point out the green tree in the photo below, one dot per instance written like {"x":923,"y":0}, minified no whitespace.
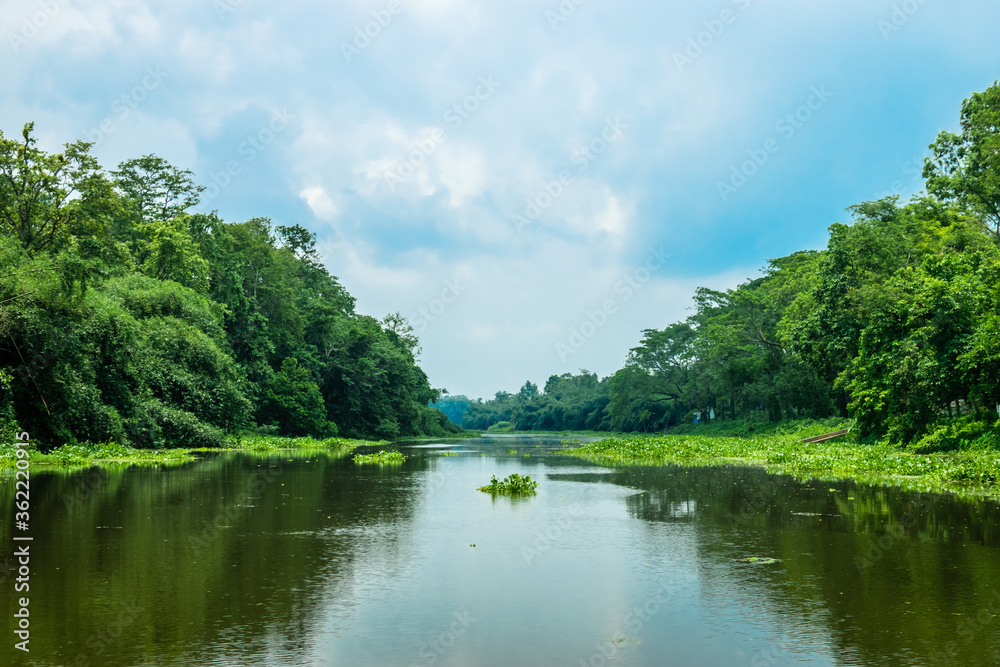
{"x":293,"y":401}
{"x":156,"y":189}
{"x":965,"y":167}
{"x":42,"y":195}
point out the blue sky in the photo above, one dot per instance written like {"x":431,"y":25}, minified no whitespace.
{"x":534,"y":182}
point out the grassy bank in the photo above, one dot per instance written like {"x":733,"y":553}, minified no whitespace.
{"x":77,"y":456}
{"x":966,"y":472}
{"x":795,"y":428}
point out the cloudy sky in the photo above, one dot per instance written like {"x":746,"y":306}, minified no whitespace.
{"x":531,"y":182}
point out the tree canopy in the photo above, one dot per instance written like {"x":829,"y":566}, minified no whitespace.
{"x":896,"y":323}
{"x":124,"y":316}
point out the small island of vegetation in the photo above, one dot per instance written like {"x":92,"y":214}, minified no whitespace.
{"x":512,"y":485}
{"x":381,"y":458}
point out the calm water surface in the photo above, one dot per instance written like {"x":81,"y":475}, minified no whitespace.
{"x":311,"y":560}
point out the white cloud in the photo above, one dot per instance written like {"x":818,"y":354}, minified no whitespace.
{"x":320,"y":203}
{"x":452,"y":216}
{"x":462,"y":169}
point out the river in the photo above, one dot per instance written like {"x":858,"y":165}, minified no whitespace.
{"x":310,"y":559}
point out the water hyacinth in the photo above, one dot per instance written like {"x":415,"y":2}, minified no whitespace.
{"x":967,"y":471}
{"x":512,"y":485}
{"x":277,"y":443}
{"x":381,"y":458}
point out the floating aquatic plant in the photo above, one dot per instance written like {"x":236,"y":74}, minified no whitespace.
{"x":513,"y":485}
{"x":877,"y":464}
{"x":381,"y":458}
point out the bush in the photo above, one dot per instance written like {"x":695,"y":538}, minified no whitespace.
{"x":157,"y":426}
{"x":960,"y":434}
{"x":500,"y":427}
{"x":295,"y":404}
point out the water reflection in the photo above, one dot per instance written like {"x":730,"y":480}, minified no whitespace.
{"x":240,"y":559}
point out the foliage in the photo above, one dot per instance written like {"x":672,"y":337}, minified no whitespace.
{"x":392,"y":457}
{"x":111,"y":453}
{"x":454,"y":407}
{"x":125,"y":317}
{"x":965,"y":168}
{"x":568,"y":403}
{"x":512,"y":485}
{"x":260,"y":443}
{"x":895,"y":324}
{"x":294,"y":402}
{"x":879,"y":463}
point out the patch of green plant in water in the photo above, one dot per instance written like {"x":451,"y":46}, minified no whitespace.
{"x":513,"y":485}
{"x":90,"y":454}
{"x":272,"y":443}
{"x":512,"y":452}
{"x":85,"y":455}
{"x":449,"y":453}
{"x":877,"y":464}
{"x":757,"y":560}
{"x":381,"y":458}
{"x":625,"y":640}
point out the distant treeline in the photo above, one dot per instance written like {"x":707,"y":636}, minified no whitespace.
{"x":125,"y":317}
{"x":896,"y":324}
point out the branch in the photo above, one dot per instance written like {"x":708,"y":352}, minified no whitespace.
{"x":31,"y":376}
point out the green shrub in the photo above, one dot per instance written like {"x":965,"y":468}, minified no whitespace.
{"x":156,"y":426}
{"x":960,"y":434}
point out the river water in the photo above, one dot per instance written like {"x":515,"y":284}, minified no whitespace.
{"x":290,"y":559}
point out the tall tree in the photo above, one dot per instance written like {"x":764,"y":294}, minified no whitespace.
{"x":965,"y":167}
{"x":158,"y":190}
{"x":37,"y":190}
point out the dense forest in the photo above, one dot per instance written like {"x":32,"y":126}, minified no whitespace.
{"x":895,"y":324}
{"x":126,"y":317}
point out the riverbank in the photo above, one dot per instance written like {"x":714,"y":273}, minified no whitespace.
{"x":78,"y":456}
{"x":969,"y":472}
